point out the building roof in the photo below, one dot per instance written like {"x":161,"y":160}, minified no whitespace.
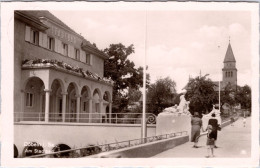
{"x":229,"y":57}
{"x":37,"y":15}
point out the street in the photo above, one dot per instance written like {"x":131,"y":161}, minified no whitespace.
{"x":233,"y":141}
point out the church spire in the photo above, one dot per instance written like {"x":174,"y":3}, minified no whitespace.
{"x":229,"y":57}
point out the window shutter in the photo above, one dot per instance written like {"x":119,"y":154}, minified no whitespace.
{"x":71,"y":51}
{"x":91,"y":59}
{"x":82,"y":56}
{"x":44,"y":40}
{"x":27,"y":33}
{"x":60,"y":47}
{"x":40,"y":39}
{"x":56,"y":45}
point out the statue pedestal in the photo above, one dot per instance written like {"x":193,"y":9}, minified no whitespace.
{"x":167,"y":123}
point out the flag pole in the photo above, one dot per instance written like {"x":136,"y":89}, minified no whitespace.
{"x":143,"y":129}
{"x":219,"y":106}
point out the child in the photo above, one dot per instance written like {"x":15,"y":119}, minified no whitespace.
{"x":210,"y":142}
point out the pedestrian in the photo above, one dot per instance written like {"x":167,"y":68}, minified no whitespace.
{"x":244,"y":121}
{"x":196,"y":125}
{"x":210,"y":142}
{"x":215,"y":127}
{"x":232,"y":120}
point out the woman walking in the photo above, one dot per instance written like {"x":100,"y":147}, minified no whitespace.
{"x":196,"y":124}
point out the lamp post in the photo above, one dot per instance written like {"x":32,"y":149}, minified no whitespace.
{"x":143,"y":123}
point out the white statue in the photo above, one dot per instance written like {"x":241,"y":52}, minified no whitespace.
{"x":182,"y":109}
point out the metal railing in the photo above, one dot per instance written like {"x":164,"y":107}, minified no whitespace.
{"x":115,"y":118}
{"x":96,"y":149}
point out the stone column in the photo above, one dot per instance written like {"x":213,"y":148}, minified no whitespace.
{"x":110,"y":111}
{"x":100,"y":109}
{"x":19,"y":115}
{"x":47,"y":104}
{"x":78,"y":107}
{"x":64,"y":98}
{"x":90,"y":110}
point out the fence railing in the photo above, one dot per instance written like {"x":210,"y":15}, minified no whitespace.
{"x":116,"y":118}
{"x":91,"y":150}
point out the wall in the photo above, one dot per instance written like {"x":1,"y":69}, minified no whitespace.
{"x":169,"y":123}
{"x":145,"y":150}
{"x":75,"y":135}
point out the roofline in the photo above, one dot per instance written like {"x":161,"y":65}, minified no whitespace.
{"x":88,"y":47}
{"x":95,"y":51}
{"x":59,"y":25}
{"x":33,"y":21}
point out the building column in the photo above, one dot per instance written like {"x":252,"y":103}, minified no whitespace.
{"x":78,"y":107}
{"x":47,"y":104}
{"x":64,"y":98}
{"x":110,"y":111}
{"x":90,"y":110}
{"x":19,"y":116}
{"x":100,"y":109}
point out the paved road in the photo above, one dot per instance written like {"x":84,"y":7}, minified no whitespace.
{"x":233,"y":141}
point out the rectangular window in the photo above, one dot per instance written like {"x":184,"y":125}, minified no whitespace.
{"x":60,"y":107}
{"x":77,"y":56}
{"x":97,"y":107}
{"x":50,"y":43}
{"x":85,"y":106}
{"x":29,"y":99}
{"x":87,"y":58}
{"x":65,"y":49}
{"x":34,"y":37}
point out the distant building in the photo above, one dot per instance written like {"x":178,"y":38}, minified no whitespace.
{"x":229,"y":71}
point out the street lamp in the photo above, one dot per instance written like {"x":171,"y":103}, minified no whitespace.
{"x":143,"y":125}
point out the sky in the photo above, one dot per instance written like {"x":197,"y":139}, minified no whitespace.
{"x":176,"y":44}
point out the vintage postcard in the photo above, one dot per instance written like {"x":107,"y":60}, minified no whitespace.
{"x":130,"y":84}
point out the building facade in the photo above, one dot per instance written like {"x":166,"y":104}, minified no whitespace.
{"x":58,"y":74}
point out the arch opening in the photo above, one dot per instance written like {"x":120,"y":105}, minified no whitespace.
{"x":61,"y":147}
{"x":71,"y":103}
{"x":34,"y":100}
{"x":16,"y":152}
{"x":55,"y":114}
{"x":85,"y":103}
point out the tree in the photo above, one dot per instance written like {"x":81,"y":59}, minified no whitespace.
{"x":160,"y":95}
{"x":227,"y":95}
{"x":134,"y":95}
{"x":123,"y":72}
{"x":243,"y":96}
{"x":201,"y":94}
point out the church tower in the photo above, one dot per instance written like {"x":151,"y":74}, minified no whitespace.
{"x":229,"y":72}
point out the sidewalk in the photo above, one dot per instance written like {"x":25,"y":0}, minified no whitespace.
{"x":233,"y":142}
